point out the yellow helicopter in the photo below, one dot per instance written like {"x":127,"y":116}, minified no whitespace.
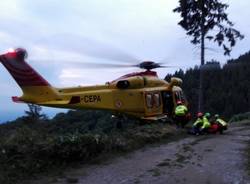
{"x":142,"y":94}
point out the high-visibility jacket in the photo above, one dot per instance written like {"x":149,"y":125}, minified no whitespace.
{"x":206,"y":123}
{"x":181,"y":110}
{"x":197,"y":122}
{"x":220,"y":121}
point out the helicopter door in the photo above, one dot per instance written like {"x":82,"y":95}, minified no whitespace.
{"x":168,"y":103}
{"x":153,"y":105}
{"x":179,"y":96}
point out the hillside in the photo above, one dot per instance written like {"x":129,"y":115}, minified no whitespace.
{"x":31,"y":146}
{"x":36,"y":144}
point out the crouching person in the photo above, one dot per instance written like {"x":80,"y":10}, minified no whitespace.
{"x":206,"y":124}
{"x":221,"y":123}
{"x":197,"y":125}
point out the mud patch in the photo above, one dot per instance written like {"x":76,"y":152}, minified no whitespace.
{"x":198,"y":140}
{"x":155,"y":172}
{"x":208,"y":150}
{"x":164,"y":164}
{"x":180,"y":158}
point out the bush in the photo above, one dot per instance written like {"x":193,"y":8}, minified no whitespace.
{"x":240,"y":117}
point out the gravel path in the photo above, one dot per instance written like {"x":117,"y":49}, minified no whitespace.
{"x":196,"y":159}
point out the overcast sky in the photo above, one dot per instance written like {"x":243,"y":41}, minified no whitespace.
{"x":59,"y":32}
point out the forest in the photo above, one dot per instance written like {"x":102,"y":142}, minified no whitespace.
{"x":226,"y":88}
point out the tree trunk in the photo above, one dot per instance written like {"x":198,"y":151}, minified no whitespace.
{"x":201,"y":101}
{"x":201,"y":98}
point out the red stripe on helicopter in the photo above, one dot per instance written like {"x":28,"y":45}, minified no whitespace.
{"x":17,"y":73}
{"x":146,"y":73}
{"x":34,"y":77}
{"x":17,"y":70}
{"x":24,"y":75}
{"x":21,"y":66}
{"x":31,"y":81}
{"x":34,"y":81}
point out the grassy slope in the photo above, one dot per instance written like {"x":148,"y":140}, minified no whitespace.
{"x":28,"y":148}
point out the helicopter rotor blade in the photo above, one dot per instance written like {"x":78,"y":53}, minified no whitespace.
{"x":102,"y":65}
{"x":167,"y":67}
{"x":88,"y":47}
{"x":93,"y":65}
{"x":84,"y":64}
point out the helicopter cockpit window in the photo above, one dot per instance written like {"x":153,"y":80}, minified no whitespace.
{"x":183,"y":96}
{"x":149,"y":100}
{"x":179,"y":96}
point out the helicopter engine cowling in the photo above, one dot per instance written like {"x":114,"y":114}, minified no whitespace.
{"x":131,"y":83}
{"x":175,"y":82}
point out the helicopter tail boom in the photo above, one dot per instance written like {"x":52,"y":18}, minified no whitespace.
{"x":35,"y":88}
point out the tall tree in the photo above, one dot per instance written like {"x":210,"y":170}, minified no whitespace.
{"x":34,"y":113}
{"x":199,"y":18}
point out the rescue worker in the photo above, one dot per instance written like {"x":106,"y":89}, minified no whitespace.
{"x":206,"y":124}
{"x":181,"y":112}
{"x":221,"y":123}
{"x":197,"y":124}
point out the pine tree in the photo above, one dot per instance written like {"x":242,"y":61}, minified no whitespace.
{"x":199,"y":18}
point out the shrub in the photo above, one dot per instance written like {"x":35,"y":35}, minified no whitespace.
{"x":240,"y":117}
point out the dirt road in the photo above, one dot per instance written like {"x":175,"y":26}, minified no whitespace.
{"x":208,"y":159}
